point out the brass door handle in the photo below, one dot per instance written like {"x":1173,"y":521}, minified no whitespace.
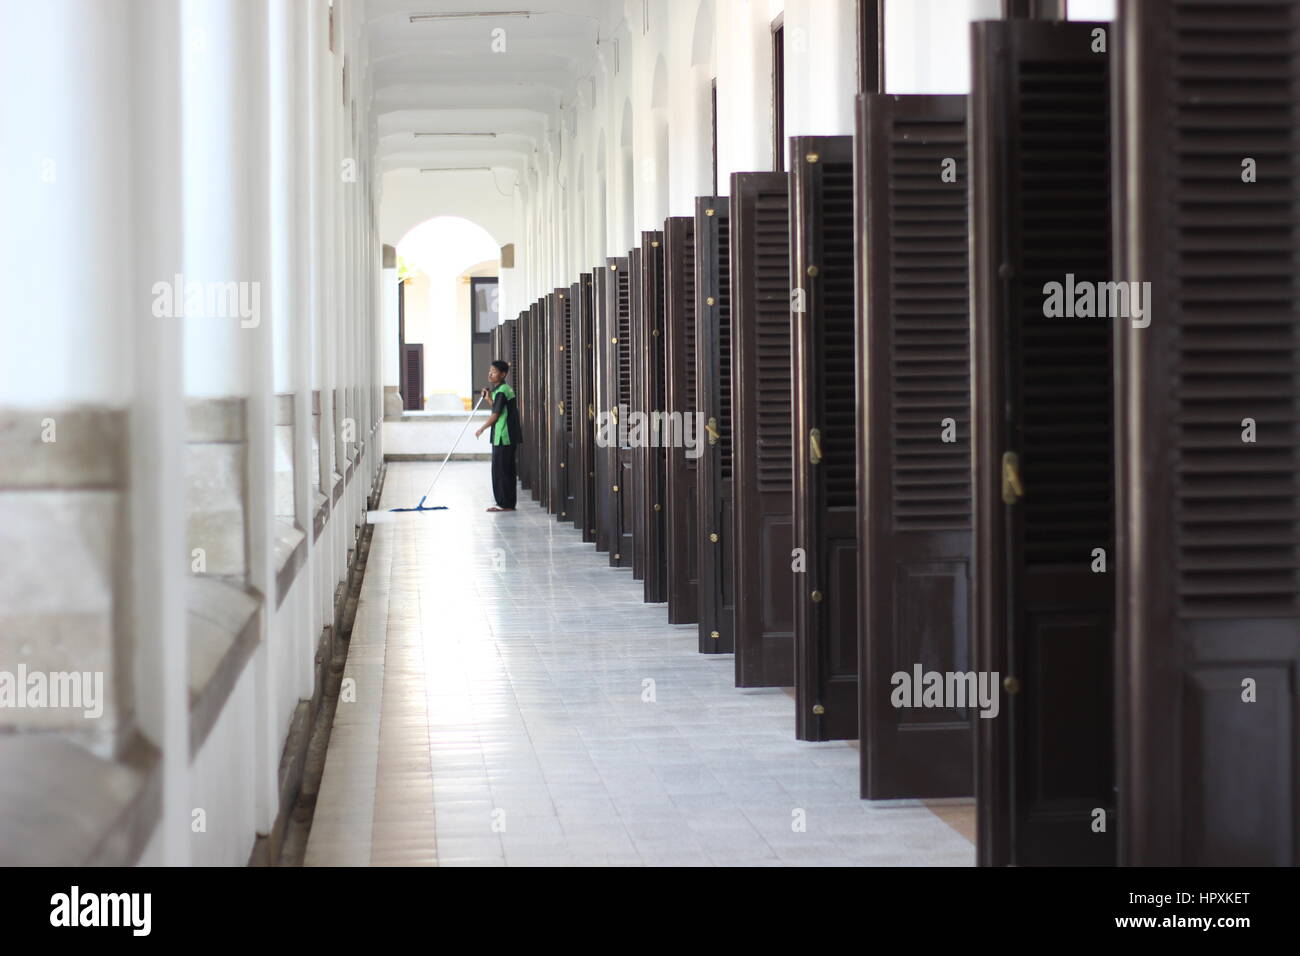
{"x":591,"y":412}
{"x":712,"y":429}
{"x":1012,"y":488}
{"x":815,"y":446}
{"x":613,"y":412}
{"x":560,"y":405}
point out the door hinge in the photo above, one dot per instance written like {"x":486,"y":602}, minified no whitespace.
{"x":1012,"y":488}
{"x":815,"y":446}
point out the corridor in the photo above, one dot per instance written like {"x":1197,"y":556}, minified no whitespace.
{"x":518,"y":704}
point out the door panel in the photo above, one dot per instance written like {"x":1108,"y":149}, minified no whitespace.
{"x":760,"y":362}
{"x":555,"y":321}
{"x":715,"y":486}
{"x":603,"y":455}
{"x":587,"y":402}
{"x":580,"y":389}
{"x":648,"y":339}
{"x":1209,"y":544}
{"x":522,"y":385}
{"x":637,"y":456}
{"x":824,"y":399}
{"x":680,"y":505}
{"x":620,"y":490}
{"x":914,"y":484}
{"x":1042,"y":391}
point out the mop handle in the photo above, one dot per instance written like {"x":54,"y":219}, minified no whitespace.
{"x":463,"y":429}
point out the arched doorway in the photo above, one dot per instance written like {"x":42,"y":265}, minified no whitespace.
{"x":448,"y":268}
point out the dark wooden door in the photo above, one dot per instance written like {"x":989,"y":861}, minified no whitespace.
{"x":586,"y":404}
{"x":914,"y":498}
{"x":537,"y":355}
{"x":575,"y":414}
{"x":562,"y":396}
{"x":605,"y":448}
{"x":1209,"y":543}
{"x":761,"y":396}
{"x":635,"y":452}
{"x":412,"y":376}
{"x":651,"y":398}
{"x":682,"y":399}
{"x":618,"y":490}
{"x":525,"y":387}
{"x":717,"y":590}
{"x":1043,"y":452}
{"x":519,"y":379}
{"x":824,"y":403}
{"x":524,"y":456}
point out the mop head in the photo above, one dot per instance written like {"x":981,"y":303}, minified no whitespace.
{"x":421,"y":507}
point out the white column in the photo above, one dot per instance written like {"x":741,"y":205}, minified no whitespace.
{"x":158,"y":425}
{"x":64,"y":267}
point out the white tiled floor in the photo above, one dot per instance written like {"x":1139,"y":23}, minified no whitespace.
{"x":518,"y":704}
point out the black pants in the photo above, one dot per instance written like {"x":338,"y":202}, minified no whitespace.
{"x":504,"y":479}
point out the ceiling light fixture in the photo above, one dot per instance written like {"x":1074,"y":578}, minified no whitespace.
{"x":469,"y":15}
{"x":458,"y":169}
{"x":455,"y":134}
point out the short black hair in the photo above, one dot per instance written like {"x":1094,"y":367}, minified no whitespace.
{"x":502,"y":367}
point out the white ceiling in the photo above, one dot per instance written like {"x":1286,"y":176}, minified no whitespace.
{"x":443,"y":76}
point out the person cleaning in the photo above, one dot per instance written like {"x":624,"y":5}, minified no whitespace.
{"x":507,"y":436}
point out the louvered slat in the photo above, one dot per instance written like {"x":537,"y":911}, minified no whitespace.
{"x":1236,"y":505}
{"x":774,"y":449}
{"x":929,"y":343}
{"x":724,"y":345}
{"x":1064,"y":363}
{"x":839,"y":413}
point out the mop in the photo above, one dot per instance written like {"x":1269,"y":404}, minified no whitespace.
{"x":429,"y":490}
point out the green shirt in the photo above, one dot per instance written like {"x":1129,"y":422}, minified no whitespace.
{"x":506,"y":431}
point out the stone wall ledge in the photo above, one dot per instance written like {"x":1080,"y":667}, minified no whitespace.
{"x":223,"y":620}
{"x":61,"y":805}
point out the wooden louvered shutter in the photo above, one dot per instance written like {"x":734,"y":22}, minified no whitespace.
{"x":682,"y":521}
{"x":557,"y":376}
{"x":623,"y":550}
{"x":1042,"y":402}
{"x":537,"y":355}
{"x":606,"y":396}
{"x":914,"y":497}
{"x":413,"y":376}
{"x":520,"y":375}
{"x":636,"y":456}
{"x":650,"y":457}
{"x":715,"y":488}
{"x":760,"y":360}
{"x":584,"y":359}
{"x":823,"y":395}
{"x":618,"y":490}
{"x":537,"y":373}
{"x":574,"y":413}
{"x":1209,"y":549}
